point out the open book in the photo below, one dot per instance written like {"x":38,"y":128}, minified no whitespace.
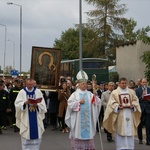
{"x":146,"y":97}
{"x":35,"y":101}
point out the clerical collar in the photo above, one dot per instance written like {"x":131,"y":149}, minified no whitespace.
{"x":123,"y":91}
{"x":81,"y":91}
{"x":109,"y":91}
{"x":30,"y":90}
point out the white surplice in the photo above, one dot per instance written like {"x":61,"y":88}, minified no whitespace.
{"x":22,"y":120}
{"x":31,"y":144}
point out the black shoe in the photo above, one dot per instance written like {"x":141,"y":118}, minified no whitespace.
{"x":54,"y":128}
{"x":109,"y":139}
{"x":0,"y":131}
{"x":60,"y":129}
{"x":147,"y":143}
{"x":140,"y":142}
{"x":16,"y":129}
{"x":5,"y":128}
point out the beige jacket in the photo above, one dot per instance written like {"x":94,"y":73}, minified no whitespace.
{"x":105,"y":98}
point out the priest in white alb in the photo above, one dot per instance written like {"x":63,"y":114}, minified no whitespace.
{"x":122,"y":116}
{"x":30,"y":115}
{"x":82,"y":115}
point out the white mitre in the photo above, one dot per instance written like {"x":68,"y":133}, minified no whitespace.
{"x":82,"y":76}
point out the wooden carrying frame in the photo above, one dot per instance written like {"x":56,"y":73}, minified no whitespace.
{"x":45,"y":67}
{"x":125,"y":100}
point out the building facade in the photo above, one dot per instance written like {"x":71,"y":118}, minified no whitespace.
{"x":128,"y":60}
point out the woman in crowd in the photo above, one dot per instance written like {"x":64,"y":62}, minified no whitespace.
{"x":63,"y":95}
{"x":132,"y":85}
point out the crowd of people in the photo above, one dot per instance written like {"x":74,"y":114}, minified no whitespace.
{"x":119,"y":108}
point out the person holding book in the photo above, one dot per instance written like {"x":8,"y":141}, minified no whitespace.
{"x":122,"y":115}
{"x":30,"y":112}
{"x":144,"y":100}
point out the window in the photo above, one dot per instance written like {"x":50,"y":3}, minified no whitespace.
{"x":100,"y":65}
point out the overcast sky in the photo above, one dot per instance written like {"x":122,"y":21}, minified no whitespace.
{"x":44,"y":21}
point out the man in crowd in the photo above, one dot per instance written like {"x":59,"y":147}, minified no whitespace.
{"x":70,"y":86}
{"x":89,"y":86}
{"x":46,"y":95}
{"x":82,"y":115}
{"x":104,"y":98}
{"x":145,"y":108}
{"x":13,"y":94}
{"x":138,"y":83}
{"x":122,"y":115}
{"x":4,"y":106}
{"x":101,"y":115}
{"x":30,"y":115}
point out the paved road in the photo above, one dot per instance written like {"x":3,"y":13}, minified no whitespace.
{"x":55,"y":140}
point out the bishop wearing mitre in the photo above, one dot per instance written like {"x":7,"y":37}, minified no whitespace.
{"x":82,"y":115}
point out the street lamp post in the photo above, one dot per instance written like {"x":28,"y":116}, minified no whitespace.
{"x":4,"y":48}
{"x":10,"y":3}
{"x":13,"y":52}
{"x":80,"y":34}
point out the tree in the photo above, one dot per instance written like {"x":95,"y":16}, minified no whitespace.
{"x":112,"y":28}
{"x":1,"y":71}
{"x":105,"y":20}
{"x":129,"y":34}
{"x":69,"y":43}
{"x":127,"y":28}
{"x":142,"y":34}
{"x":106,"y":29}
{"x":7,"y":69}
{"x":113,"y":76}
{"x":146,"y":59}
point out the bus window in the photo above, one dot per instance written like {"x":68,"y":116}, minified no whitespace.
{"x":100,"y":65}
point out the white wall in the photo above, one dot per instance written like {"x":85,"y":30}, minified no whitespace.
{"x":128,"y":62}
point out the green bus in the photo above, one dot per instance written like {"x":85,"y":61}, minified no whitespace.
{"x":97,"y":66}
